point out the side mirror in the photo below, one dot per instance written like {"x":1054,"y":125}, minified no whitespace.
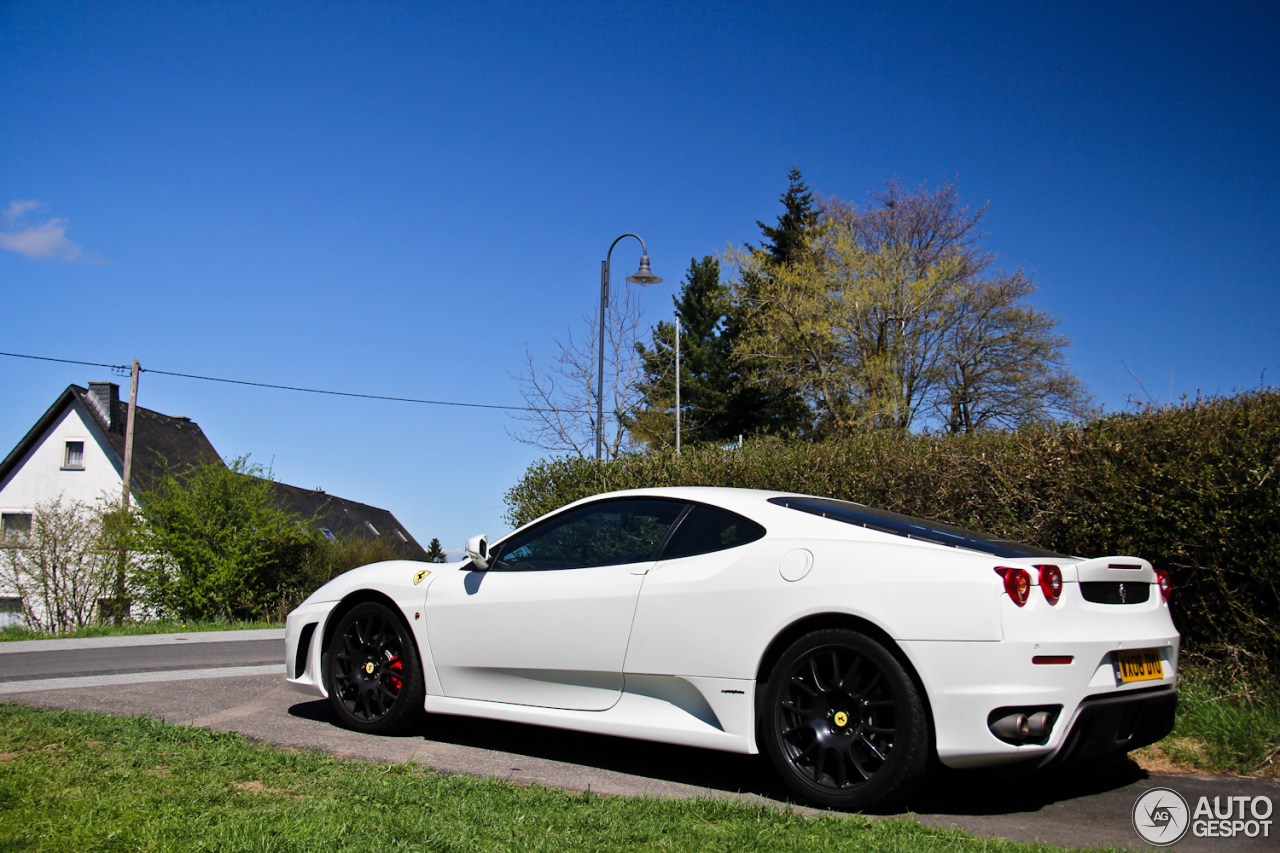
{"x":478,"y":551}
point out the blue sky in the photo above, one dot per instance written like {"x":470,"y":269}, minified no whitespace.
{"x":394,"y":198}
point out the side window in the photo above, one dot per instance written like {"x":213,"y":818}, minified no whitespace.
{"x":706,"y":529}
{"x":608,"y":533}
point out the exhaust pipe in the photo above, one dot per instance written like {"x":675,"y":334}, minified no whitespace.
{"x":1038,"y":725}
{"x":1014,"y":727}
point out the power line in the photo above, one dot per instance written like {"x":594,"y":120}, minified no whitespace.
{"x":125,"y":367}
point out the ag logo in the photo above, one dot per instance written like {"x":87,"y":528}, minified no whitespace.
{"x":1161,"y":816}
{"x":417,"y":579}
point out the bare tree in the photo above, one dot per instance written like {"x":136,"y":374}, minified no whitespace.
{"x":561,"y":394}
{"x":62,"y":568}
{"x":1002,"y":364}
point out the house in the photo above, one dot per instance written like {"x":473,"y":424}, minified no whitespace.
{"x":76,"y":449}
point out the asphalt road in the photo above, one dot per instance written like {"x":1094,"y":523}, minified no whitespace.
{"x":234,"y":681}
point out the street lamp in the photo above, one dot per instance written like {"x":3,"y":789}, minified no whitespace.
{"x":642,"y":276}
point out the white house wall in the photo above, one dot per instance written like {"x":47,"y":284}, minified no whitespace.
{"x":39,"y":476}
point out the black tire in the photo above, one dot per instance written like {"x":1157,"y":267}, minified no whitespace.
{"x":372,"y":671}
{"x":843,"y":722}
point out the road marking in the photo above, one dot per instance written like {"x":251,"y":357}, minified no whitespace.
{"x":7,"y":687}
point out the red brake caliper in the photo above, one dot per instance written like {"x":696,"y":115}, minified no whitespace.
{"x":397,"y":665}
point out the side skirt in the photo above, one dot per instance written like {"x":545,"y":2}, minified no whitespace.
{"x":712,"y":713}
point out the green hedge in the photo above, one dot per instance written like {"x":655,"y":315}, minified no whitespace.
{"x":1194,"y":488}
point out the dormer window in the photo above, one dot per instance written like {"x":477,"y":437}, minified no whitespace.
{"x":372,"y":529}
{"x":73,"y":456}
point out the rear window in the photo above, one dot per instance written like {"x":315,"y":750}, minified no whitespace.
{"x":706,"y":529}
{"x":911,"y":527}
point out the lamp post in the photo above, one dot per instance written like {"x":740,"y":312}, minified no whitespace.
{"x":642,"y":276}
{"x":677,"y":385}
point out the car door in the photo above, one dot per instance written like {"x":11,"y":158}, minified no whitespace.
{"x":695,"y":611}
{"x":548,"y":623}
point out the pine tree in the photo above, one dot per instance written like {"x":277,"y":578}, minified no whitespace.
{"x":722,"y":396}
{"x":754,"y":405}
{"x":789,"y":238}
{"x":704,"y":363}
{"x":435,"y":552}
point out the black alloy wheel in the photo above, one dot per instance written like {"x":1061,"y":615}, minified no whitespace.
{"x":843,"y":722}
{"x":372,"y":671}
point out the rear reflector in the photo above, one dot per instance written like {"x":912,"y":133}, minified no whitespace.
{"x":1053,"y":659}
{"x":1165,"y":584}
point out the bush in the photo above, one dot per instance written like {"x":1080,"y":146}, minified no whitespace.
{"x":215,"y":545}
{"x":1193,"y":488}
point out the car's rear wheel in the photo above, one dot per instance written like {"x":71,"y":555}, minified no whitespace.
{"x":843,"y":722}
{"x":372,"y":671}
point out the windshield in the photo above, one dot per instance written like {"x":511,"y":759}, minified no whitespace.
{"x":913,"y":528}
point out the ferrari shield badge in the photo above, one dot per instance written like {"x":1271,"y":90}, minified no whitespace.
{"x":417,"y":579}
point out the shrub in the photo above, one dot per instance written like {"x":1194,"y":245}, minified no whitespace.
{"x":215,"y":545}
{"x":62,"y":567}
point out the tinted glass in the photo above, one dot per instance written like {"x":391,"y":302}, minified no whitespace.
{"x":706,"y":529}
{"x":913,"y":528}
{"x":609,"y":533}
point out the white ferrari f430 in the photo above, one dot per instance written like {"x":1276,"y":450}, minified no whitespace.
{"x":851,"y":645}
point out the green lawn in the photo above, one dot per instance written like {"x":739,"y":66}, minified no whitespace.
{"x":131,"y":628}
{"x":76,"y":781}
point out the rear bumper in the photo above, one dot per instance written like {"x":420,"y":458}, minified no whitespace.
{"x":970,"y":684}
{"x":1118,"y":723}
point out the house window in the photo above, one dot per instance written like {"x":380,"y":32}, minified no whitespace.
{"x":73,"y":457}
{"x":328,"y":534}
{"x":15,"y":528}
{"x":372,"y":529}
{"x":401,"y":537}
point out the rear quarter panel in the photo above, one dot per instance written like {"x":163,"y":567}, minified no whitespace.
{"x":715,"y":615}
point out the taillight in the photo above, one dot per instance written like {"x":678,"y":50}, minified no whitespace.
{"x":1017,"y":582}
{"x":1166,"y":585}
{"x":1051,"y":583}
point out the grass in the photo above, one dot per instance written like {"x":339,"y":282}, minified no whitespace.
{"x":131,"y":628}
{"x":1223,"y":726}
{"x":78,"y":781}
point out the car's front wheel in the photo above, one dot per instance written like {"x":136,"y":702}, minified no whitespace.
{"x":843,"y":722}
{"x":372,"y":671}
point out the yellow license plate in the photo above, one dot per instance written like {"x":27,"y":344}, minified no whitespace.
{"x":1139,"y":665}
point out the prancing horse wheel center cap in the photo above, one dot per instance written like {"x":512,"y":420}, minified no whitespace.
{"x":841,"y":719}
{"x":368,"y":668}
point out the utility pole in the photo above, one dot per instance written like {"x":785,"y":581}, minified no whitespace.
{"x":128,"y":433}
{"x":677,"y":385}
{"x":119,"y":610}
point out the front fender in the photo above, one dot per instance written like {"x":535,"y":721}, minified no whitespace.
{"x":403,"y":583}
